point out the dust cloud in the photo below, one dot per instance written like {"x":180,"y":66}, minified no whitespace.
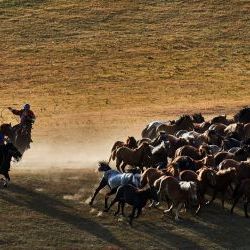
{"x":51,"y":155}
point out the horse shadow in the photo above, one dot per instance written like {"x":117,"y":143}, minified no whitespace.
{"x":54,"y":208}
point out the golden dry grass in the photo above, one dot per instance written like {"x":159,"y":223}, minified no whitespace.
{"x":110,"y":64}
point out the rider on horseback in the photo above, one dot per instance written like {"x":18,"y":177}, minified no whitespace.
{"x":27,"y":119}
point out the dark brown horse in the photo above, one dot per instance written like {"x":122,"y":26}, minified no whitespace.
{"x":244,"y":190}
{"x":224,"y":178}
{"x":134,"y":157}
{"x":204,"y":179}
{"x":190,"y":151}
{"x":178,"y":192}
{"x":183,"y":123}
{"x":130,"y":143}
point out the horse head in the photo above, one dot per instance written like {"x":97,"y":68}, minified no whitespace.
{"x":103,"y":166}
{"x":13,"y":151}
{"x":207,"y":175}
{"x":131,"y":142}
{"x":198,"y":118}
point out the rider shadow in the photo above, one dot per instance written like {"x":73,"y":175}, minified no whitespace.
{"x":51,"y":207}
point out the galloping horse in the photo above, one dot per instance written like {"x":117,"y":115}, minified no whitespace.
{"x":134,"y":157}
{"x":113,"y":179}
{"x":179,"y":192}
{"x":183,"y":123}
{"x":6,"y":153}
{"x":19,"y":137}
{"x":130,"y":143}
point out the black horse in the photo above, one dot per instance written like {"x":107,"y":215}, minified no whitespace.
{"x":20,"y":136}
{"x":6,"y":153}
{"x":135,"y":197}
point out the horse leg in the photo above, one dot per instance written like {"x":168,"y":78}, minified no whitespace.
{"x":168,"y":210}
{"x":223,"y":199}
{"x":245,"y":208}
{"x":213,"y":198}
{"x":112,"y":191}
{"x":7,"y":180}
{"x":178,"y":211}
{"x":235,"y":202}
{"x":131,"y":216}
{"x":118,"y":208}
{"x":138,"y":212}
{"x":198,"y":209}
{"x":123,"y":205}
{"x":111,"y":204}
{"x":102,"y":184}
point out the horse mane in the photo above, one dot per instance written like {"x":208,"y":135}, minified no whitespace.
{"x":103,"y":163}
{"x":131,"y":142}
{"x":241,"y":113}
{"x":226,"y":171}
{"x":202,"y":172}
{"x":198,"y":118}
{"x":182,"y":119}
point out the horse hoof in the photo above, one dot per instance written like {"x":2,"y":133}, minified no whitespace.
{"x":166,"y":211}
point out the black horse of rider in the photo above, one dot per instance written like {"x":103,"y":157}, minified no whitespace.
{"x":7,"y":151}
{"x":19,"y":136}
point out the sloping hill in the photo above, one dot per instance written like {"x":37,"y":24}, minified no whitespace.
{"x":85,"y":60}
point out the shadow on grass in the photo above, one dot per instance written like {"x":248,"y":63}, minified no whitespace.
{"x":51,"y":207}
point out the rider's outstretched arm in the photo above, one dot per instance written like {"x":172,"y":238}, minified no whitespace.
{"x":15,"y":111}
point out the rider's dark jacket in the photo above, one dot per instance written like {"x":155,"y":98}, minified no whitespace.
{"x":25,"y":115}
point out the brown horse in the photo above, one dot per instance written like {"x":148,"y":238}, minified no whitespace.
{"x":150,"y":175}
{"x":133,"y":157}
{"x":244,"y":189}
{"x":188,"y":150}
{"x":174,"y":144}
{"x":130,"y":143}
{"x":183,"y":123}
{"x":224,"y":178}
{"x":187,"y":163}
{"x":221,"y":119}
{"x":240,"y":155}
{"x":201,"y":127}
{"x":205,"y":178}
{"x":179,"y":192}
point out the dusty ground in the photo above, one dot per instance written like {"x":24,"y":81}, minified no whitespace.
{"x":47,"y":210}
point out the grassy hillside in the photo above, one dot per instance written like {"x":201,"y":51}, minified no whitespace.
{"x":85,"y":61}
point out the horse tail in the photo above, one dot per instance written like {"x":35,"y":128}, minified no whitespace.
{"x":113,"y":155}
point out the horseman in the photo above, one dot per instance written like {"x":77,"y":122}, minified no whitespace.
{"x":27,"y":117}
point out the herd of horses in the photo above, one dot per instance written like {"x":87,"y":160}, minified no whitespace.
{"x":179,"y":162}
